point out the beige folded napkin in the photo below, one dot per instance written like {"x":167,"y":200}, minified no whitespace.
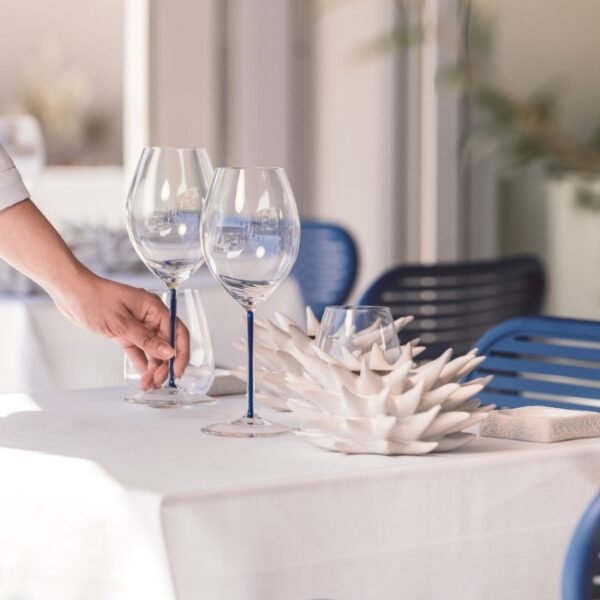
{"x":541,"y":424}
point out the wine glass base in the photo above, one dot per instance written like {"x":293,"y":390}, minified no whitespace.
{"x":168,"y":398}
{"x":247,"y":427}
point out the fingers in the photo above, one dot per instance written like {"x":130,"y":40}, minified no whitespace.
{"x":147,"y":381}
{"x":146,"y":368}
{"x":137,"y":358}
{"x":182,"y":348}
{"x":155,"y":371}
{"x":161,"y":319}
{"x":182,"y":356}
{"x":151,"y":342}
{"x":160,"y":374}
{"x":156,"y":374}
{"x":147,"y":328}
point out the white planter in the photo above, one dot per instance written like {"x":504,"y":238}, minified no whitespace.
{"x":543,"y":216}
{"x":573,"y":251}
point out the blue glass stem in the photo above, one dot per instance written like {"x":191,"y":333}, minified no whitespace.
{"x":250,"y":380}
{"x":173,"y":323}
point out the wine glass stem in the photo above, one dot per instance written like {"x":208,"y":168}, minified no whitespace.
{"x":250,"y":380}
{"x":173,"y":322}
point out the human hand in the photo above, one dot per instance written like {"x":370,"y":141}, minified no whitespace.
{"x":134,"y":318}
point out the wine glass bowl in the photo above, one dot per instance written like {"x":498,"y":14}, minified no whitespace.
{"x":250,"y":237}
{"x":252,"y":240}
{"x":164,"y":210}
{"x":165,"y":205}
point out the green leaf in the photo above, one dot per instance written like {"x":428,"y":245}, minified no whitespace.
{"x":544,"y":103}
{"x":398,"y":39}
{"x":495,"y":103}
{"x":593,"y":141}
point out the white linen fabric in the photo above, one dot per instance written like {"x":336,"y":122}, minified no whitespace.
{"x":102,"y":499}
{"x":12,"y":188}
{"x":48,"y":352}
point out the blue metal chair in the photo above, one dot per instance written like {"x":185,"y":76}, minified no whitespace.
{"x":455,"y":303}
{"x":581,"y":571}
{"x":326,"y":266}
{"x":546,"y":361}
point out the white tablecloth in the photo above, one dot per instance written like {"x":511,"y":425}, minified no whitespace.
{"x":102,"y":500}
{"x":41,"y":350}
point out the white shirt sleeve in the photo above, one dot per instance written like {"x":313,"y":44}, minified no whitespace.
{"x":12,"y":188}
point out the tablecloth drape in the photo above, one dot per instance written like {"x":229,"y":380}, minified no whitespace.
{"x":104,"y":500}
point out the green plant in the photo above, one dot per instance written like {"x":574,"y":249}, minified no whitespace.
{"x":526,"y":130}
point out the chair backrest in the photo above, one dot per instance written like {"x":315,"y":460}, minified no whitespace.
{"x":326,"y":266}
{"x":581,"y":571}
{"x":455,"y":303}
{"x":547,"y":361}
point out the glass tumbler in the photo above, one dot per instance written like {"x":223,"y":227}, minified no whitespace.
{"x":200,"y":371}
{"x":351,"y":331}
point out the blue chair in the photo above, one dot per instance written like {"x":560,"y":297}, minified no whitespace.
{"x":546,"y":361}
{"x":581,"y":571}
{"x":326,"y":266}
{"x":455,"y":303}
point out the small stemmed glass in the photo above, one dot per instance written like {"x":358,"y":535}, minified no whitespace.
{"x":250,"y":236}
{"x":164,"y":210}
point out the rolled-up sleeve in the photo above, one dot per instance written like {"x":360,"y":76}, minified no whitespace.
{"x":12,"y":188}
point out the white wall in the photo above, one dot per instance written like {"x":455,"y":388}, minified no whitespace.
{"x":184,"y":74}
{"x":259,"y":75}
{"x":356,"y":164}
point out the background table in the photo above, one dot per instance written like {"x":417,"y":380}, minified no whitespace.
{"x":41,"y":350}
{"x":108,"y":501}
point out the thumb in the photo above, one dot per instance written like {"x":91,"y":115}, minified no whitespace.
{"x":151,"y":342}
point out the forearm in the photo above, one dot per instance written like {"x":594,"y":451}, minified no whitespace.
{"x":134,"y":318}
{"x":29,"y":243}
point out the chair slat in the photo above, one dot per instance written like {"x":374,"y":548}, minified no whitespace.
{"x":515,"y":401}
{"x":531,"y":349}
{"x":524,"y":384}
{"x":547,"y":361}
{"x":457,"y":308}
{"x":457,"y":302}
{"x":519,"y":365}
{"x":454,"y":293}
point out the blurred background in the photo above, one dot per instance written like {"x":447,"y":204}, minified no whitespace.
{"x":432,"y":130}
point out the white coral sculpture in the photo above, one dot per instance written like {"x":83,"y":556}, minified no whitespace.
{"x":366,"y":403}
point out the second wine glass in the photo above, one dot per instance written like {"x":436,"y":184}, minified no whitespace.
{"x":164,"y":210}
{"x":250,"y":236}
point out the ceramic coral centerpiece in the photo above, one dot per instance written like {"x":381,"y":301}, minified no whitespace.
{"x":364,"y":402}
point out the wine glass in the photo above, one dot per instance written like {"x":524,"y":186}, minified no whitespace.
{"x":21,"y":136}
{"x":200,"y":371}
{"x":250,"y":235}
{"x":164,"y":209}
